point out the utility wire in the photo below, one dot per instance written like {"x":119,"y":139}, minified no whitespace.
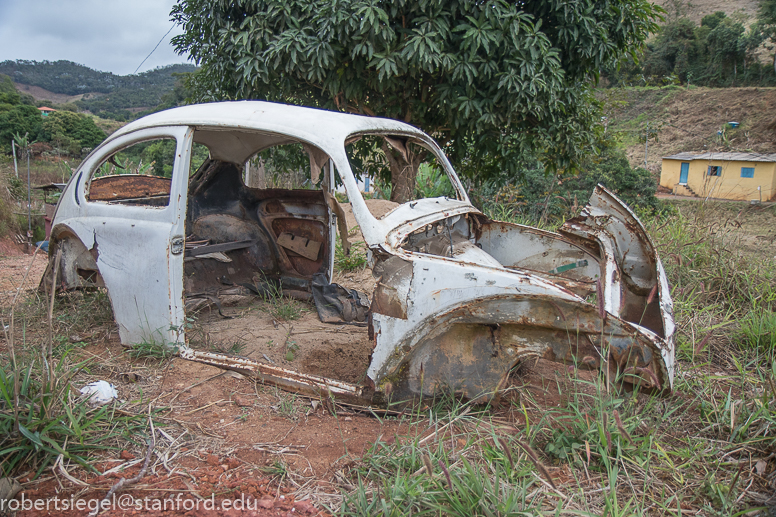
{"x":154,"y":50}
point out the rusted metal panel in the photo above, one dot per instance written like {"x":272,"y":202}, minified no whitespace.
{"x":390,"y":296}
{"x":282,"y":377}
{"x":128,"y":186}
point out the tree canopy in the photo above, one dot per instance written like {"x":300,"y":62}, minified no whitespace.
{"x":496,"y":82}
{"x":720,"y":51}
{"x":71,"y":132}
{"x":766,"y":16}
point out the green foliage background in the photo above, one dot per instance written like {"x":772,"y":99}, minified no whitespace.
{"x":499,"y":84}
{"x":70,"y":132}
{"x":720,"y":52}
{"x":550,"y":199}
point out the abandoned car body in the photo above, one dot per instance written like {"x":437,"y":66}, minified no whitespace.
{"x":460,"y":299}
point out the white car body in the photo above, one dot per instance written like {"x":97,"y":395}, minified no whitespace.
{"x":457,"y":319}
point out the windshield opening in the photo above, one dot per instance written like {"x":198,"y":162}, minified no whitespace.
{"x":377,"y":159}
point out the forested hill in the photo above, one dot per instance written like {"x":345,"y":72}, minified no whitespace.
{"x":73,"y":79}
{"x":120,"y":95}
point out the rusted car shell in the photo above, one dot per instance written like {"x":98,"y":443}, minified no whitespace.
{"x":460,"y":299}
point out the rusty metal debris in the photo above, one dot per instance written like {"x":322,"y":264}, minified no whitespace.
{"x":460,"y":299}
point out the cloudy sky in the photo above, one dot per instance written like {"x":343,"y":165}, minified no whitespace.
{"x":107,"y":35}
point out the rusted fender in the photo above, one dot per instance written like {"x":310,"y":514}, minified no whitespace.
{"x":471,"y":349}
{"x":635,"y":286}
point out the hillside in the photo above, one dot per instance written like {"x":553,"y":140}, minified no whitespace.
{"x":697,"y":9}
{"x":42,"y":94}
{"x":682,"y":119}
{"x":70,"y":78}
{"x":101,"y":93}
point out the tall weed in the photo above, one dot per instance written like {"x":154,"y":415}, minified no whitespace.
{"x":53,"y":421}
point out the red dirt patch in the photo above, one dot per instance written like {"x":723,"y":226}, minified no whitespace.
{"x":223,"y":487}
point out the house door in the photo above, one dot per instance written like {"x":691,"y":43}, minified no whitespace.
{"x":683,"y":174}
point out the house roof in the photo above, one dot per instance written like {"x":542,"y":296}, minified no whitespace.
{"x":724,"y":157}
{"x":46,"y":108}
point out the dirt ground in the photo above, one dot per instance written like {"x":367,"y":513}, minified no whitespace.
{"x":226,"y":436}
{"x":697,"y":9}
{"x":14,"y":263}
{"x":687,"y":120}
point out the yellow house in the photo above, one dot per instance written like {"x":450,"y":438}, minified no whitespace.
{"x":740,"y":176}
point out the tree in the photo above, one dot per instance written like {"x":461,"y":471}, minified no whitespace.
{"x":726,"y":44}
{"x":18,"y":119}
{"x":8,"y":92}
{"x":495,"y":82}
{"x":71,"y":131}
{"x":548,"y":199}
{"x":766,"y":16}
{"x":709,"y":54}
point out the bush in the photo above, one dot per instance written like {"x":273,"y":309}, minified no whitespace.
{"x":19,"y":119}
{"x":544,"y":198}
{"x":71,"y":132}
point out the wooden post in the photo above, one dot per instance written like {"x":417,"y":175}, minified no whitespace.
{"x":15,"y":167}
{"x":29,"y":201}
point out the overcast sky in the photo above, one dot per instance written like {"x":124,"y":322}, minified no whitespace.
{"x":107,"y":35}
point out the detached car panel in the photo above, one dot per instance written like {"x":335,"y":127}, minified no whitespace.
{"x":460,"y":299}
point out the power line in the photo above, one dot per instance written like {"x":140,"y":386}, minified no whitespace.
{"x":154,"y":50}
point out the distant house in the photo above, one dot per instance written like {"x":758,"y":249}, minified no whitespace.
{"x":739,"y":176}
{"x":45,"y":111}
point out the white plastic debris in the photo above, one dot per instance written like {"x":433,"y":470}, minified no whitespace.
{"x":99,"y":393}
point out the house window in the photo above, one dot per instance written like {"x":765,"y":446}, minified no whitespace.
{"x":715,"y":170}
{"x":747,"y":172}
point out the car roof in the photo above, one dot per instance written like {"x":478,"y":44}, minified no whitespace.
{"x":324,"y":129}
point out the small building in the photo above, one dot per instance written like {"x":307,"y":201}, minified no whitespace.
{"x":737,"y":176}
{"x":46,"y":111}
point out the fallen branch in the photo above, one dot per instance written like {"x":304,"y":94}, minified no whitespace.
{"x":124,"y":481}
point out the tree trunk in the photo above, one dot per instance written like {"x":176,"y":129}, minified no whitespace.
{"x":402,"y":181}
{"x":404,"y":169}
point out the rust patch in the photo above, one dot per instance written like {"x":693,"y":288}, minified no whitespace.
{"x":390,"y":295}
{"x":128,"y":186}
{"x":386,"y":300}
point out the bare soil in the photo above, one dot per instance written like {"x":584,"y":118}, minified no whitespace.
{"x":688,"y":119}
{"x":233,"y":437}
{"x":697,"y":9}
{"x":13,"y":266}
{"x":41,"y":94}
{"x":304,"y":344}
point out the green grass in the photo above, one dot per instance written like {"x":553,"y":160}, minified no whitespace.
{"x":611,"y":452}
{"x":48,"y":422}
{"x":758,"y":331}
{"x":42,"y":418}
{"x":278,"y":305}
{"x":152,"y":350}
{"x":356,"y":261}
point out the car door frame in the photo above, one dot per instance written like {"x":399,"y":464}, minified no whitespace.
{"x":131,"y":242}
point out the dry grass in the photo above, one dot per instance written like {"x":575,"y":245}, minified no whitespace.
{"x":707,"y":449}
{"x":687,"y":119}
